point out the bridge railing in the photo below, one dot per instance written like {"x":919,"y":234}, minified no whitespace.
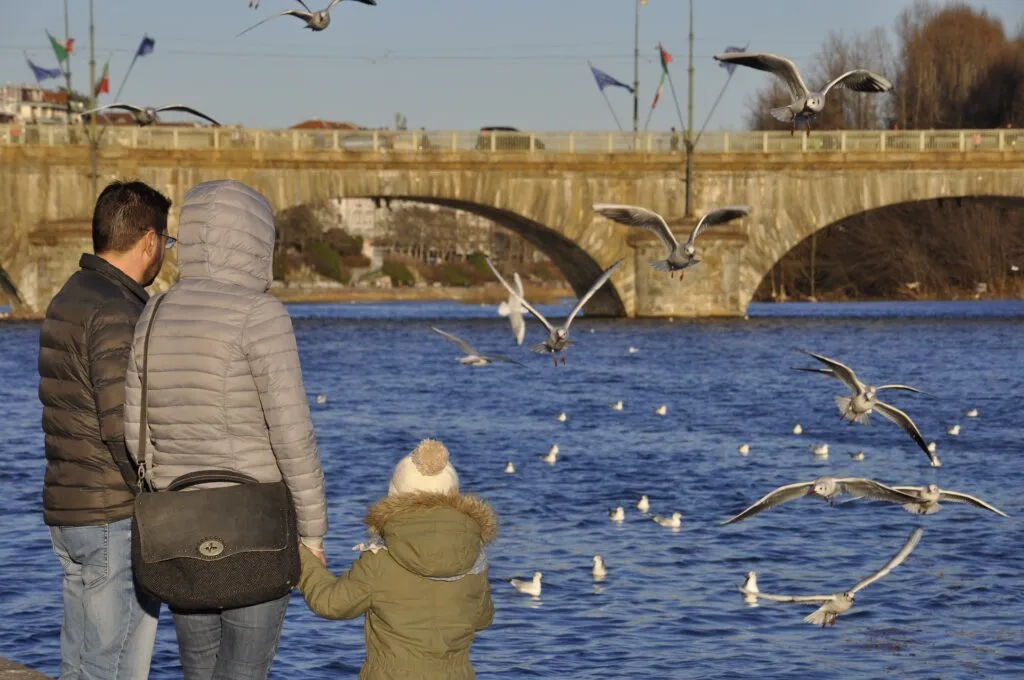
{"x":422,"y":141}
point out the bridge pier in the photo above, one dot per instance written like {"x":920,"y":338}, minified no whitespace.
{"x":55,"y":248}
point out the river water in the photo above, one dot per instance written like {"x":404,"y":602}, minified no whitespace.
{"x":669,"y":607}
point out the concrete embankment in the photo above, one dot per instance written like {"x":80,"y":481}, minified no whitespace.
{"x":13,"y":671}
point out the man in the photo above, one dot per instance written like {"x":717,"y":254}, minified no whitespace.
{"x":88,"y":490}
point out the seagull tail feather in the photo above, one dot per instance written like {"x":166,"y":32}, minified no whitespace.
{"x":817,"y":617}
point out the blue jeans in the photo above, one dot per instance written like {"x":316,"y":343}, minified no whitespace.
{"x":109,"y":624}
{"x":235,"y":644}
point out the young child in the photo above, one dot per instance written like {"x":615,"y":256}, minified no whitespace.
{"x":424,"y":588}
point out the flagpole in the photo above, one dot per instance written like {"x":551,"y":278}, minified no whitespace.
{"x":713,"y":107}
{"x":610,"y":108}
{"x":690,"y":144}
{"x":117,"y":97}
{"x":636,"y":70}
{"x":67,"y":72}
{"x":93,"y":142}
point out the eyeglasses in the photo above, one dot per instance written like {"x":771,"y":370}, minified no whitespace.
{"x":170,"y":240}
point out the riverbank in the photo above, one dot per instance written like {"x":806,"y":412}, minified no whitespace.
{"x":10,"y":670}
{"x":491,"y":294}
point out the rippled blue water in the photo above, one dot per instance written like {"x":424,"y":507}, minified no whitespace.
{"x":669,"y":608}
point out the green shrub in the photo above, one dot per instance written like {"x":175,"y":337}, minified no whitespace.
{"x":325,"y":260}
{"x":398,"y":272}
{"x":479,"y":262}
{"x":456,"y":274}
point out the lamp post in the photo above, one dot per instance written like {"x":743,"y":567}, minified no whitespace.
{"x":690,"y":142}
{"x":636,"y":70}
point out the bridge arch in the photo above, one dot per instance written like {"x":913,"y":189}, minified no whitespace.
{"x":9,"y":291}
{"x":808,"y":203}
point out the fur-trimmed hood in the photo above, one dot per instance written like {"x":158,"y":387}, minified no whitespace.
{"x":431,"y":534}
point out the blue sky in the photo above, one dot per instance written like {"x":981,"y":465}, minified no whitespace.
{"x":444,"y":64}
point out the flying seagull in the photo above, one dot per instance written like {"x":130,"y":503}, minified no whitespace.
{"x":470,"y":356}
{"x":839,"y":603}
{"x":827,"y":488}
{"x":857,"y":408}
{"x":926,"y":499}
{"x":513,"y":309}
{"x":558,"y":339}
{"x":806,"y":104}
{"x":148,"y":115}
{"x":315,"y":21}
{"x":680,"y":255}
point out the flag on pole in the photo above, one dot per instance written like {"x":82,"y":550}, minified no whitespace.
{"x":41,"y":73}
{"x":666,"y":58}
{"x":604,"y":80}
{"x":643,"y":2}
{"x":657,"y":93}
{"x":731,"y":50}
{"x":69,"y":46}
{"x":145,"y":47}
{"x":103,"y":84}
{"x":58,"y":49}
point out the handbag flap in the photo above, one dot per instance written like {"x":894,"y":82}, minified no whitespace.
{"x":211,"y":524}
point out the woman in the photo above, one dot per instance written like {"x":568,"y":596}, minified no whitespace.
{"x":225,"y":392}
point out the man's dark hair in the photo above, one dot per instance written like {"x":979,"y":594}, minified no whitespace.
{"x":124,"y":212}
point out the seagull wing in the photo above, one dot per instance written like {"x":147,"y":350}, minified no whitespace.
{"x":897,"y":560}
{"x":529,"y":307}
{"x":116,"y":105}
{"x":790,"y":598}
{"x":891,"y":413}
{"x":519,"y":284}
{"x":762,"y":61}
{"x":957,"y":497}
{"x":720,"y":216}
{"x":857,"y":486}
{"x":840,"y":371}
{"x":188,"y":109}
{"x":905,"y":388}
{"x":822,"y":371}
{"x":456,"y":340}
{"x":859,"y":81}
{"x":501,"y":359}
{"x":781,"y":495}
{"x":635,"y":216}
{"x":305,"y":16}
{"x":590,"y":293}
{"x":304,"y":5}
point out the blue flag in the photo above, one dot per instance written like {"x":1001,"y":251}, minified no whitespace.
{"x":145,"y":47}
{"x":604,"y":80}
{"x":731,"y":50}
{"x":43,"y":73}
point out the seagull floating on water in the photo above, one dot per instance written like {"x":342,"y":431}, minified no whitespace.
{"x":644,"y":504}
{"x":558,"y":338}
{"x":513,"y":309}
{"x":673,"y":522}
{"x":661,"y":410}
{"x":561,"y":417}
{"x":827,"y":488}
{"x":839,"y":603}
{"x":510,"y":469}
{"x":617,"y":406}
{"x":617,"y":515}
{"x":531,"y":587}
{"x":806,"y":104}
{"x":744,"y":449}
{"x":600,"y":571}
{"x":633,"y":350}
{"x":858,"y":407}
{"x":972,"y":413}
{"x":680,"y":255}
{"x":147,"y":115}
{"x":821,"y":450}
{"x":471,"y":357}
{"x":321,"y":399}
{"x":798,"y":429}
{"x":857,"y":455}
{"x":954,"y":431}
{"x":552,"y":457}
{"x":749,"y":588}
{"x":315,"y":21}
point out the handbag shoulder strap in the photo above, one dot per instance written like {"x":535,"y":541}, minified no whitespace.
{"x":145,"y":455}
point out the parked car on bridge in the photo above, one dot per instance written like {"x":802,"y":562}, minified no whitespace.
{"x":506,"y":139}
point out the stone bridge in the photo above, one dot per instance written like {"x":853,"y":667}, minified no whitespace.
{"x":539,"y":186}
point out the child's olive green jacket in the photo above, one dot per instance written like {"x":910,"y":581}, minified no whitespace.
{"x":424,"y":596}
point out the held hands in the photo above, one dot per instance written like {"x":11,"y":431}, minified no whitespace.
{"x":316,"y":552}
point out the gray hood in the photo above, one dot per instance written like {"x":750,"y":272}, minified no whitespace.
{"x":226,"y":233}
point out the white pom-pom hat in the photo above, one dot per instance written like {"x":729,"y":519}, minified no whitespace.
{"x":426,"y":469}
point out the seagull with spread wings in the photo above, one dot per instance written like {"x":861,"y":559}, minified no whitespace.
{"x":838,"y":603}
{"x":513,"y":309}
{"x":315,"y":21}
{"x":680,"y":255}
{"x":147,"y":115}
{"x":471,"y":357}
{"x":927,"y":499}
{"x":558,"y":337}
{"x":806,"y":104}
{"x":857,"y":407}
{"x":827,"y":488}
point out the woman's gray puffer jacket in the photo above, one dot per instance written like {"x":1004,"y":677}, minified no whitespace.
{"x":225,"y":386}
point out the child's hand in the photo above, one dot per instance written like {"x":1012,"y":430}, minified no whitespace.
{"x":316,"y":552}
